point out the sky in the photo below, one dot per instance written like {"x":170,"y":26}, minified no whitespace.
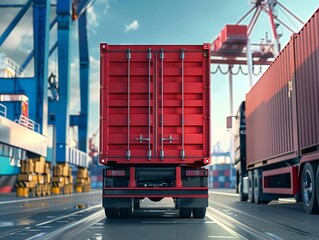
{"x":156,"y":22}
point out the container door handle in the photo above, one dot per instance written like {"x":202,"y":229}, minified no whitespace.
{"x":170,"y":139}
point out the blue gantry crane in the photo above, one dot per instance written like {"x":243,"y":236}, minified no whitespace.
{"x":26,"y":137}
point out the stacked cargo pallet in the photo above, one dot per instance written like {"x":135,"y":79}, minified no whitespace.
{"x":82,"y":183}
{"x":34,"y":178}
{"x":62,"y":181}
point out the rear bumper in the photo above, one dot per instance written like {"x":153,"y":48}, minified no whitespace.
{"x":155,"y":192}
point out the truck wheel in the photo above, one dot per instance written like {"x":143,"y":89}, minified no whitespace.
{"x":257,"y":186}
{"x":185,"y":212}
{"x":177,"y":203}
{"x":250,"y":187}
{"x":137,"y":203}
{"x":242,"y":195}
{"x":111,"y":212}
{"x":199,"y":213}
{"x":308,"y":188}
{"x":317,"y":186}
{"x":125,"y":212}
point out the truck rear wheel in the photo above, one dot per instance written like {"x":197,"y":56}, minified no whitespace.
{"x":250,"y":187}
{"x":242,"y":195}
{"x":308,"y":188}
{"x":111,"y":212}
{"x":317,"y":186}
{"x":137,"y":203}
{"x":125,"y":212}
{"x":199,"y":213}
{"x":257,"y":186}
{"x":185,"y":212}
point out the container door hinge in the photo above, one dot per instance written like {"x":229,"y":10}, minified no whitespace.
{"x":183,"y":155}
{"x":162,"y":154}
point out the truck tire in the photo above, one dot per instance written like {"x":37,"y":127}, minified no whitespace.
{"x":308,"y":188}
{"x":317,"y":186}
{"x":242,"y":196}
{"x":185,"y":212}
{"x":199,"y":212}
{"x":126,"y":212}
{"x":111,"y":212}
{"x":250,"y":187}
{"x":257,"y":186}
{"x":137,"y":203}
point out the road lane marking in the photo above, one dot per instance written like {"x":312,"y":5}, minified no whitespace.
{"x":87,"y":222}
{"x":224,"y":226}
{"x":48,"y":197}
{"x":69,"y":215}
{"x":273,"y":236}
{"x":222,"y":237}
{"x":224,"y":193}
{"x":37,"y":236}
{"x":158,"y":222}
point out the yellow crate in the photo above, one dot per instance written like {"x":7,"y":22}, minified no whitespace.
{"x":58,"y":170}
{"x":40,"y":179}
{"x":82,"y":173}
{"x":27,"y":166}
{"x":39,"y":167}
{"x":58,"y":179}
{"x":25,"y":177}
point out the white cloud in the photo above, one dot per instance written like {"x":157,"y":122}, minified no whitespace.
{"x":106,"y":6}
{"x":132,"y":26}
{"x":92,"y":17}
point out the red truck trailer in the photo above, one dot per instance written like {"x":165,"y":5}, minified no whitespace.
{"x":154,"y":126}
{"x":277,"y":133}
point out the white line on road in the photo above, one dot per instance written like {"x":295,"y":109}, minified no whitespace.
{"x":69,"y":215}
{"x":37,"y":236}
{"x":273,"y":236}
{"x":43,"y":198}
{"x":224,"y":193}
{"x":221,"y":237}
{"x":228,"y":229}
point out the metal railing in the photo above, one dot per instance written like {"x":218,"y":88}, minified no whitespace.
{"x":3,"y":110}
{"x":28,"y":123}
{"x":78,"y":158}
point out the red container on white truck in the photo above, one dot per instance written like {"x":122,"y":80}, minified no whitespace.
{"x":280,"y":122}
{"x":154,"y":126}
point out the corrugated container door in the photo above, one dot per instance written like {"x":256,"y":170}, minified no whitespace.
{"x":154,"y":104}
{"x":183,"y":104}
{"x":127,"y":125}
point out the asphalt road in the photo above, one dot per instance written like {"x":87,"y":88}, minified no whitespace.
{"x":81,"y":216}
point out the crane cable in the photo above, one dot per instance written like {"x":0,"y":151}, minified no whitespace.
{"x":239,"y":70}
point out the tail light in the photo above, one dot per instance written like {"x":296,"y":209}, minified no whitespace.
{"x":197,"y":173}
{"x":115,"y":173}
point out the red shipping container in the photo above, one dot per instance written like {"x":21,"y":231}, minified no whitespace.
{"x":306,"y":50}
{"x":231,"y":38}
{"x":234,"y":33}
{"x":155,"y":104}
{"x":282,"y":109}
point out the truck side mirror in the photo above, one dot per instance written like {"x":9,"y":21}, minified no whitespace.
{"x":229,"y":120}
